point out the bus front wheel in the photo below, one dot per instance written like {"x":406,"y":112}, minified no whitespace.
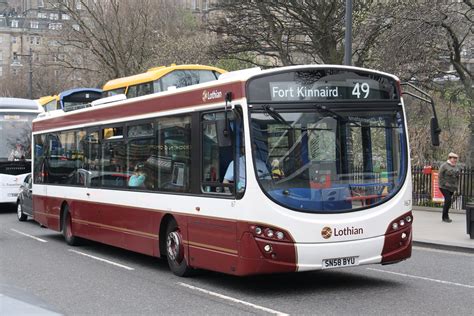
{"x":175,"y":251}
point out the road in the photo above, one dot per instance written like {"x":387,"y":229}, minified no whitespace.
{"x":39,"y":268}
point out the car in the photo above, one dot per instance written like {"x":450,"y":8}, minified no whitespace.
{"x":24,"y":203}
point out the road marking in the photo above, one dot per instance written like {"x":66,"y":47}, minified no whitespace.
{"x":27,"y":235}
{"x":268,"y":310}
{"x":101,"y":259}
{"x":423,"y":278}
{"x":444,"y":251}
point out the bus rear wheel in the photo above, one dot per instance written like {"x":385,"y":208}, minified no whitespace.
{"x":175,"y":251}
{"x":67,"y":229}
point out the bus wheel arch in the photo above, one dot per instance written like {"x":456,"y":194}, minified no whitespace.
{"x":172,"y":246}
{"x":66,"y":226}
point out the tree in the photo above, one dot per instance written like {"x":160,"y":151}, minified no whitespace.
{"x":277,"y":32}
{"x":111,"y":38}
{"x":423,"y":46}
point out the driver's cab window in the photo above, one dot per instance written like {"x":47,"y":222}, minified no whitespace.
{"x":220,"y":138}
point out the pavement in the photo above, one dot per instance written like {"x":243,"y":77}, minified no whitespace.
{"x":429,"y":230}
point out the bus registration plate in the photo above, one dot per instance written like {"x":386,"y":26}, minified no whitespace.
{"x":340,"y":262}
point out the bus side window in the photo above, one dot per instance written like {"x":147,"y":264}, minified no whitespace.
{"x":144,"y":89}
{"x":217,"y":153}
{"x":173,"y":160}
{"x":132,"y":92}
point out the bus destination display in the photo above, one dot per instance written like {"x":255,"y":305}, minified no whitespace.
{"x":292,"y":91}
{"x":322,"y":85}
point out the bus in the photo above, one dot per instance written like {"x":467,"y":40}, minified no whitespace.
{"x":162,"y":78}
{"x":318,"y":154}
{"x":16,"y":116}
{"x":70,"y":100}
{"x":49,"y":102}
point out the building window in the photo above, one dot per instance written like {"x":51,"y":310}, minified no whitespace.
{"x":1,"y":71}
{"x":1,"y":39}
{"x":14,"y":23}
{"x":54,"y":16}
{"x":65,"y":17}
{"x":40,"y":3}
{"x":34,"y":24}
{"x":35,"y":40}
{"x":42,"y":15}
{"x":76,"y":27}
{"x":55,"y":26}
{"x":13,"y":39}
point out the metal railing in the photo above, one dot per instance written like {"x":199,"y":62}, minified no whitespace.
{"x":422,"y":188}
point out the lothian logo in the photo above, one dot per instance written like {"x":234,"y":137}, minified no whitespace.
{"x":326,"y":232}
{"x":212,"y":95}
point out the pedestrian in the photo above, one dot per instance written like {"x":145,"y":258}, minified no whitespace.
{"x":448,"y":183}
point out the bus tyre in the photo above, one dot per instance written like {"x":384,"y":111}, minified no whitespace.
{"x":67,"y":229}
{"x":19,"y":212}
{"x":175,"y":251}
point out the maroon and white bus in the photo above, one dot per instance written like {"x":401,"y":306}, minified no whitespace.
{"x":320,"y":153}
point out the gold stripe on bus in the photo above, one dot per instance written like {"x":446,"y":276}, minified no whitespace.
{"x":117,"y":229}
{"x":206,"y":246}
{"x":47,"y":215}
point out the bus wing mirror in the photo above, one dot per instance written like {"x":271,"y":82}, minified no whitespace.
{"x":435,"y":131}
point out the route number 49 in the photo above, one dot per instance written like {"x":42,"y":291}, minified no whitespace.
{"x":361,"y":90}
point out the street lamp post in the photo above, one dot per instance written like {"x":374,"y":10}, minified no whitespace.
{"x":17,"y":63}
{"x":348,"y":34}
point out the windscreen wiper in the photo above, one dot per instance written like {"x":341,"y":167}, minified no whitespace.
{"x":276,"y":116}
{"x":323,"y":108}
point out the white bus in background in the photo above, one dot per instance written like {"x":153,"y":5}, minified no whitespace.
{"x":16,"y":116}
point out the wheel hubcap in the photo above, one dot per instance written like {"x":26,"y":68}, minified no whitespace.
{"x":174,"y":247}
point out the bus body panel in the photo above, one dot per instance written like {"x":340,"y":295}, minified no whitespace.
{"x":149,"y":105}
{"x":214,"y":241}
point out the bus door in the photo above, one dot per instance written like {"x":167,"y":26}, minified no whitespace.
{"x":212,"y":241}
{"x":89,"y":153}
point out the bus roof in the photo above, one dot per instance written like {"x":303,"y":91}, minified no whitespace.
{"x":67,"y":93}
{"x":46,"y":99}
{"x":153,"y":74}
{"x":19,"y":104}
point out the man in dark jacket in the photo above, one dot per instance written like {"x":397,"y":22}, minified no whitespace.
{"x":448,"y":183}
